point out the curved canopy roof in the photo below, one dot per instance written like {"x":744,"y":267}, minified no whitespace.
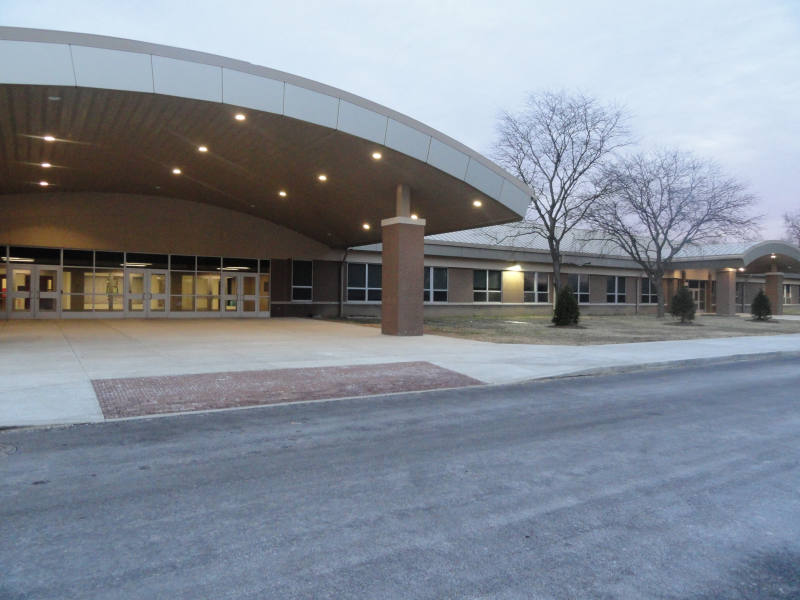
{"x":125,"y":114}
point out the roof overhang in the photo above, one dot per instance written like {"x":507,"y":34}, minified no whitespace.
{"x":128,"y":113}
{"x":761,"y":257}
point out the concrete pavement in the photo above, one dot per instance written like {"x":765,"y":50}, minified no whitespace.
{"x":47,"y":366}
{"x":637,"y":486}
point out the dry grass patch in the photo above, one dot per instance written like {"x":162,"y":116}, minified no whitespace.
{"x":595,"y":330}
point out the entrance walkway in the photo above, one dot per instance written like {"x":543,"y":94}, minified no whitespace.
{"x":47,"y":367}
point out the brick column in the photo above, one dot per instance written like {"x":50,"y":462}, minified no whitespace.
{"x":403,"y":276}
{"x":773,"y":287}
{"x":726,"y":292}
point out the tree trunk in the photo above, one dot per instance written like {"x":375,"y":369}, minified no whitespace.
{"x":659,"y":283}
{"x":555,"y":255}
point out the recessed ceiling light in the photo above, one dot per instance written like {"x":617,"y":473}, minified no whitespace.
{"x":176,"y":171}
{"x":240,"y":117}
{"x":46,"y":165}
{"x":478,"y":203}
{"x":323,"y":177}
{"x":43,"y":183}
{"x":414,"y":216}
{"x":49,"y":138}
{"x":376,"y":155}
{"x":772,"y":256}
{"x":741,"y":268}
{"x":53,"y":98}
{"x":203,"y":149}
{"x":282,"y":194}
{"x":366,"y":225}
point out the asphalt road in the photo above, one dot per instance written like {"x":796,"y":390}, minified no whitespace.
{"x":675,"y":484}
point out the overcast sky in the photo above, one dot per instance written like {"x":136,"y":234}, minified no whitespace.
{"x":721,"y":77}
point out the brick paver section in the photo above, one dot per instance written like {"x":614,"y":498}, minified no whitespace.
{"x":138,"y":396}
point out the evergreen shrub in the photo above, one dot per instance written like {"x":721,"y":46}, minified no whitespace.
{"x":682,"y":306}
{"x":566,"y":311}
{"x":761,"y":308}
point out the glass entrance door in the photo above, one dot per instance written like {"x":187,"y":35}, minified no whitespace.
{"x":697,"y":288}
{"x":240,"y":294}
{"x":146,"y":293}
{"x":33,"y":292}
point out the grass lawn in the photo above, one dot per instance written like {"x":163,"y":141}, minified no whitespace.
{"x":595,"y":330}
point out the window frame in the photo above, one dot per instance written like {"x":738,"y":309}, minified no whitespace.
{"x":536,"y":292}
{"x":487,"y":291}
{"x":430,"y":291}
{"x":650,"y":294}
{"x":581,"y":297}
{"x":613,"y":294}
{"x":310,"y":288}
{"x":367,"y":287}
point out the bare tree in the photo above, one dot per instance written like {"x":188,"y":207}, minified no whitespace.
{"x":791,"y":225}
{"x":557,"y":144}
{"x":666,"y":200}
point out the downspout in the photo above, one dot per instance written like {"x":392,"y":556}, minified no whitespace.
{"x":342,"y":283}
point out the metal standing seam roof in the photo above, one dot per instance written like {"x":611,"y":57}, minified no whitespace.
{"x":580,"y":242}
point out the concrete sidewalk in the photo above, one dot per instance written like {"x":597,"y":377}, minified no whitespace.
{"x":47,"y":366}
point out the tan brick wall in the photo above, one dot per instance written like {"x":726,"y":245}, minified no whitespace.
{"x":597,"y":289}
{"x":459,"y":282}
{"x":513,"y":286}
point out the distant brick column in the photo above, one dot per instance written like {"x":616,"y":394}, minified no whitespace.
{"x":773,"y":287}
{"x":403,"y":276}
{"x":726,"y":292}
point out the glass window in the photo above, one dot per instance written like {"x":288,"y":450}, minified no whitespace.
{"x":182,"y":263}
{"x":114,"y":260}
{"x":108,"y":288}
{"x":435,"y":284}
{"x":182,"y":287}
{"x":208,"y":290}
{"x":302,"y":280}
{"x":615,"y":289}
{"x":238,"y":264}
{"x":3,"y":289}
{"x":76,"y":285}
{"x":536,"y":287}
{"x":263,"y":290}
{"x":364,"y":282}
{"x":264,"y":266}
{"x":209,"y":263}
{"x":146,"y":261}
{"x":78,"y":258}
{"x":579,"y":284}
{"x":787,"y":293}
{"x":649,"y":294}
{"x":487,"y":286}
{"x":21,"y":279}
{"x":41,"y":256}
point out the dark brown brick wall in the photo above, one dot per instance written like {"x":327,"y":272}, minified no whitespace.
{"x":281,"y":280}
{"x":326,"y":281}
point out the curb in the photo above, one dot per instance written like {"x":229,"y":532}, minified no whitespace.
{"x":671,"y":364}
{"x":592,"y":372}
